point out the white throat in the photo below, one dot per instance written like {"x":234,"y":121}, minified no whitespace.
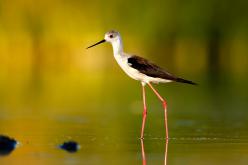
{"x":117,"y":47}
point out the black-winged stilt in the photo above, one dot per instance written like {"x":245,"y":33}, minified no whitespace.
{"x":142,"y":70}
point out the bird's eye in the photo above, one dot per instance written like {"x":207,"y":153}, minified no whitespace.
{"x":111,"y":36}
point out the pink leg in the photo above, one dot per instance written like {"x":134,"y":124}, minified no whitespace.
{"x":165,"y":109}
{"x":144,"y":112}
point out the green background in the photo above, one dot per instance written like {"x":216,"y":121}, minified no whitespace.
{"x":52,"y":89}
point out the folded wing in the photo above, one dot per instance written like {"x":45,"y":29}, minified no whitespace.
{"x":152,"y":70}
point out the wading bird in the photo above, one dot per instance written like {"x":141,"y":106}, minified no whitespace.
{"x":142,"y":70}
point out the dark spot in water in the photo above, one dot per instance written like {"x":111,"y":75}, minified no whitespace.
{"x":7,"y":145}
{"x":70,"y":146}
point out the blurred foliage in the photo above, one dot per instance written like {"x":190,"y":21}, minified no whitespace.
{"x":51,"y":87}
{"x":42,"y":43}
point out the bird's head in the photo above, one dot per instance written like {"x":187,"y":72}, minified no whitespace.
{"x":111,"y":36}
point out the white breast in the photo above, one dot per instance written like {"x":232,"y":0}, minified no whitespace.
{"x":122,"y":60}
{"x":133,"y":73}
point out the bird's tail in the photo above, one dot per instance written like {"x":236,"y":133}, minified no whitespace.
{"x":185,"y":81}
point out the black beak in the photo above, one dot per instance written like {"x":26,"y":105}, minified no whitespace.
{"x":102,"y":41}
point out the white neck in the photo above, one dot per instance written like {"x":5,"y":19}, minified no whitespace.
{"x":117,"y":47}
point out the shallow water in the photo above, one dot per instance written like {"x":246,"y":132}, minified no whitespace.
{"x":207,"y":126}
{"x":38,"y":147}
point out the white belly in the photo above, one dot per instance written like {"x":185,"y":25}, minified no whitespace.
{"x":134,"y":73}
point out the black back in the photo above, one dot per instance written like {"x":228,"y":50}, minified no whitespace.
{"x":152,"y":70}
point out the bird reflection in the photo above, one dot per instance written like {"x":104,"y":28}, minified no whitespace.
{"x":166,"y":151}
{"x":144,"y":154}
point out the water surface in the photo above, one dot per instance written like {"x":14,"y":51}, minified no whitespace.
{"x":206,"y":127}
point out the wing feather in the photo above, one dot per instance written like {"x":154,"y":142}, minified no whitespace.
{"x":152,"y":70}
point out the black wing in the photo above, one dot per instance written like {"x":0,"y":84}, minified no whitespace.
{"x":152,"y":70}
